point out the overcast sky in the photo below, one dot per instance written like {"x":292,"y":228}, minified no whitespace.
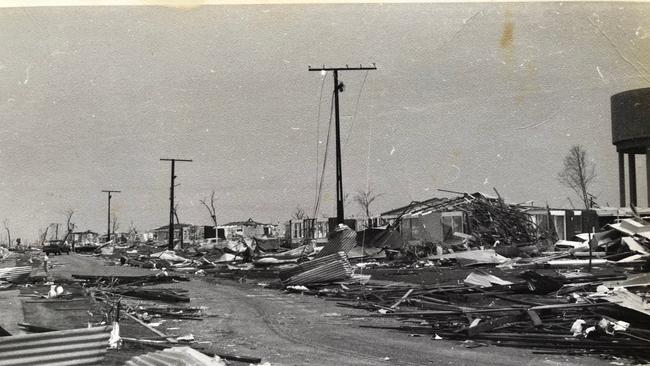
{"x":466,"y":97}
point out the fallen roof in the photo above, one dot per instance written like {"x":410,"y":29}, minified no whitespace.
{"x":438,"y":204}
{"x":249,"y":222}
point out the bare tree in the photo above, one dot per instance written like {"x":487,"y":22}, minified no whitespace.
{"x":132,"y":228}
{"x":69,"y":224}
{"x":364,"y":199}
{"x":6,"y":225}
{"x":133,"y":231}
{"x":210,"y":208}
{"x":44,"y":236}
{"x":299,"y":213}
{"x":114,"y":223}
{"x":176,"y":213}
{"x":578,"y":173}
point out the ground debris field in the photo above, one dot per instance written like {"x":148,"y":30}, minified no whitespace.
{"x":328,"y":310}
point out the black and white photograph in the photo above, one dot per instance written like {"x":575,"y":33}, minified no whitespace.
{"x":296,"y":182}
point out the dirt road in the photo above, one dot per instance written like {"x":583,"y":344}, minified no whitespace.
{"x":292,"y":329}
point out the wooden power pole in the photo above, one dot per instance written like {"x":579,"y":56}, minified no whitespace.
{"x":338,"y":87}
{"x":108,"y":225}
{"x":170,"y":246}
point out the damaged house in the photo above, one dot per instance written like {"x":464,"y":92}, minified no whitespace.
{"x":470,"y":220}
{"x":248,"y":229}
{"x":87,"y":237}
{"x":297,"y":231}
{"x":484,"y":220}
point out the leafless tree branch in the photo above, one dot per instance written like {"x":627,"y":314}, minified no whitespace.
{"x":211,"y":210}
{"x":299,"y":213}
{"x":114,"y":223}
{"x":176,"y":213}
{"x":578,"y":173}
{"x":6,"y":225}
{"x":364,"y":199}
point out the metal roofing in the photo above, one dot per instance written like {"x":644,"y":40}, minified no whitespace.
{"x":12,"y":274}
{"x":86,"y":346}
{"x":326,"y":269}
{"x":249,"y":222}
{"x":341,"y":241}
{"x":177,"y":356}
{"x":166,"y":227}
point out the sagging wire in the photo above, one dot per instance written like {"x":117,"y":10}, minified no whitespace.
{"x":320,"y":102}
{"x":319,"y":190}
{"x":356,"y":108}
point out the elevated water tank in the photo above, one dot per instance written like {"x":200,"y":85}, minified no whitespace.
{"x":631,"y":121}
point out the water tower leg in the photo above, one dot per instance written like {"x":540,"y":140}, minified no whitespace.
{"x":621,"y":177}
{"x":632,"y":174}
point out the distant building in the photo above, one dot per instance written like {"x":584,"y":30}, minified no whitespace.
{"x":317,"y":230}
{"x":117,"y":237}
{"x":248,"y":229}
{"x":190,"y":233}
{"x":148,"y":236}
{"x":161,"y":234}
{"x":87,"y":237}
{"x":436,"y":219}
{"x":298,"y":231}
{"x":566,"y":223}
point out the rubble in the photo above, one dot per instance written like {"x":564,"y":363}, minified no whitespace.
{"x":505,"y":284}
{"x":507,"y":316}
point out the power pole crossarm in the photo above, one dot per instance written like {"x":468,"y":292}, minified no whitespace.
{"x":346,"y":68}
{"x":170,"y":246}
{"x":338,"y":87}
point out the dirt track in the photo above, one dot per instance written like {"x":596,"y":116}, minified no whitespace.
{"x":292,"y":329}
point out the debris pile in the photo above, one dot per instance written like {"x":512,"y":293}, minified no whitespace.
{"x":494,"y":221}
{"x":569,"y":313}
{"x":489,"y":223}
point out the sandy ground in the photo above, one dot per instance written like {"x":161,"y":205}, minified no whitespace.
{"x":293,"y":329}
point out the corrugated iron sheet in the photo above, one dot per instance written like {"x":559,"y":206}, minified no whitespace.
{"x":341,"y":241}
{"x":85,"y":346}
{"x":12,"y":274}
{"x":335,"y":271}
{"x":177,"y":356}
{"x":333,"y":267}
{"x":306,"y":266}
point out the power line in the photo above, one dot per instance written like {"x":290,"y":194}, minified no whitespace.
{"x":356,"y":109}
{"x":320,"y":102}
{"x":338,"y":87}
{"x":319,"y":191}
